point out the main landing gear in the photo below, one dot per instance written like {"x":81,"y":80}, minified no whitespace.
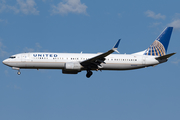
{"x":89,"y":73}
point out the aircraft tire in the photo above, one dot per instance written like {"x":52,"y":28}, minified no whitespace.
{"x":18,"y":72}
{"x":89,"y":73}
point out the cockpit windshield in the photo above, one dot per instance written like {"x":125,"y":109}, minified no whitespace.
{"x":12,"y":57}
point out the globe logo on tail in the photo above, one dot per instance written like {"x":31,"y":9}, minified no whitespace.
{"x":156,"y":49}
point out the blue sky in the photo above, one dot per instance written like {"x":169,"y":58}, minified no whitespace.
{"x":91,"y":27}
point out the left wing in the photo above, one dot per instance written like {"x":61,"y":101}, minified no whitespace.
{"x":97,"y":60}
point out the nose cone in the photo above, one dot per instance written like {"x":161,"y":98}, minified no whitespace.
{"x":5,"y":61}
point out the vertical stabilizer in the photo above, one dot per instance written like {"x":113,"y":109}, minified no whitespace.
{"x":160,"y":45}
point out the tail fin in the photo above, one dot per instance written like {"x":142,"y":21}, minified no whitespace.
{"x":160,"y":45}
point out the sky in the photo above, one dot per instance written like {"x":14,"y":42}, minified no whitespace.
{"x":74,"y":26}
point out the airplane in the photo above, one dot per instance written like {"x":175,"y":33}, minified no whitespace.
{"x":73,"y":63}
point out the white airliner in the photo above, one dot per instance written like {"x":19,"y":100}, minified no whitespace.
{"x":73,"y":63}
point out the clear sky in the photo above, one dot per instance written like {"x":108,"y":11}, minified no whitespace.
{"x":90,"y":26}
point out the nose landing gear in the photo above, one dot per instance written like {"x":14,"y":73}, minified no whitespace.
{"x":15,"y":68}
{"x":18,"y":72}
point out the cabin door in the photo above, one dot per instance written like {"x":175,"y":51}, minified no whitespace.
{"x":23,"y":57}
{"x":143,"y":60}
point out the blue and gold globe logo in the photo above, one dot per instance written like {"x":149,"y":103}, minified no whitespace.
{"x":156,"y":49}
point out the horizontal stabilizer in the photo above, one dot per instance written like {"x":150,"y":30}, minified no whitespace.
{"x":165,"y":56}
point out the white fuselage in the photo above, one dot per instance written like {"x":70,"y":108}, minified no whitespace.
{"x":58,"y":61}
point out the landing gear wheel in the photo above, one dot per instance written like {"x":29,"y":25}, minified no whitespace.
{"x":18,"y":72}
{"x":89,"y":73}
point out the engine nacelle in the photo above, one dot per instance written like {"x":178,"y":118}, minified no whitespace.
{"x":72,"y":68}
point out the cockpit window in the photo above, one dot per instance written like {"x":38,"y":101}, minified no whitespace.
{"x":12,"y":57}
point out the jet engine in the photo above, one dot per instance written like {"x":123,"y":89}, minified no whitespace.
{"x":72,"y":68}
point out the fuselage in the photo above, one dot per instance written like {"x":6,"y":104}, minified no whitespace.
{"x":58,"y":61}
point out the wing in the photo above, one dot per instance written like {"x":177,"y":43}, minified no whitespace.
{"x":95,"y":62}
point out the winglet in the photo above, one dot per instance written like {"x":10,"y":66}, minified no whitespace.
{"x":116,"y":46}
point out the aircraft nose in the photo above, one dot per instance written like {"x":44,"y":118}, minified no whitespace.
{"x":4,"y":61}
